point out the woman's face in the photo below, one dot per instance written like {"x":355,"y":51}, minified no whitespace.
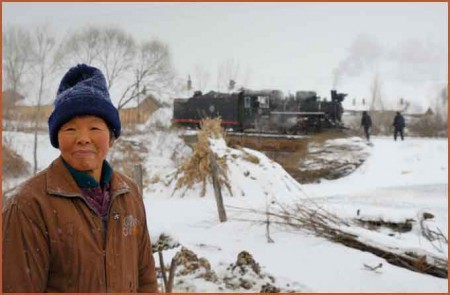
{"x":84,"y":143}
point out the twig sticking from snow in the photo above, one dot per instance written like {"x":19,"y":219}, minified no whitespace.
{"x":269,"y":238}
{"x":373,"y":268}
{"x":433,"y":236}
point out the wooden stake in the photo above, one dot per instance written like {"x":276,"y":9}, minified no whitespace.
{"x":217,"y":190}
{"x":163,"y":269}
{"x":173,"y":267}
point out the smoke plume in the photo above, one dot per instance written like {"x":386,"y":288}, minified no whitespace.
{"x":363,"y":54}
{"x":411,"y":61}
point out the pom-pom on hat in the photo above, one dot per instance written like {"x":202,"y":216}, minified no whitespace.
{"x":82,"y":92}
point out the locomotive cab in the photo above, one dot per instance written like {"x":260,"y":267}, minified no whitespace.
{"x":254,"y":108}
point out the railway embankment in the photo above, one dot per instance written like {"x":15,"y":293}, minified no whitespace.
{"x":307,"y":158}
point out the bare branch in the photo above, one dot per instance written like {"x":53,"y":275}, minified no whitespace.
{"x":152,"y":71}
{"x":83,"y":46}
{"x":117,"y":51}
{"x":16,"y":56}
{"x":43,"y":46}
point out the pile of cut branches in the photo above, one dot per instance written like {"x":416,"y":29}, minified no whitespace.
{"x":309,"y":217}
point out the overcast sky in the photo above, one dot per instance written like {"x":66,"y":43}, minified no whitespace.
{"x":287,"y":46}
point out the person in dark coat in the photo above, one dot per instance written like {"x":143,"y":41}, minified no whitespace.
{"x":399,"y":125}
{"x":366,"y":122}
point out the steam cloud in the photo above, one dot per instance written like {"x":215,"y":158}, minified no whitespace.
{"x":364,"y":53}
{"x":412,"y":61}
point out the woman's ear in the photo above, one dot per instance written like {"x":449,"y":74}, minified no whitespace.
{"x":112,"y":138}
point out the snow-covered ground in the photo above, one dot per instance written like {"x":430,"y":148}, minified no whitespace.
{"x":398,"y":181}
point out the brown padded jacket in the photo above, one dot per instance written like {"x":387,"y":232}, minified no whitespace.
{"x":53,"y":241}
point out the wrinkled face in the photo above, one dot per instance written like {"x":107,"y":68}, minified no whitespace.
{"x":84,"y":143}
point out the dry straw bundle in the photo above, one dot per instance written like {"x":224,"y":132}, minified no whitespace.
{"x":197,"y":168}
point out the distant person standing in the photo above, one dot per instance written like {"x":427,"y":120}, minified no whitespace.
{"x":399,"y":125}
{"x":366,"y":122}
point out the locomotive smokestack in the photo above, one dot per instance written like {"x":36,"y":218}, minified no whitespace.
{"x":337,"y":96}
{"x":333,"y":95}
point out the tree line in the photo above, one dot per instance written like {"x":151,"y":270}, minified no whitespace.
{"x":34,"y":58}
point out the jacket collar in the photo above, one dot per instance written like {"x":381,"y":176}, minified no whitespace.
{"x":84,"y":180}
{"x":61,"y":182}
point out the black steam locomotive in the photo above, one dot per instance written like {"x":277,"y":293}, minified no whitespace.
{"x":262,"y":111}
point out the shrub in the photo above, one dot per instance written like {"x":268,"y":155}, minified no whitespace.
{"x":13,"y":164}
{"x":429,"y":126}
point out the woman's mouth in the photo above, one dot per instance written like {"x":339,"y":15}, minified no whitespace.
{"x":83,"y":154}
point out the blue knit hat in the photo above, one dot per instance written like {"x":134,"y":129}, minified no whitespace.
{"x":82,"y":91}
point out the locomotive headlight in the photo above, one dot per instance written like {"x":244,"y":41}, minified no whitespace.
{"x":211,"y":108}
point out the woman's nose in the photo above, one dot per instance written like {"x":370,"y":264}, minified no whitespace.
{"x":83,"y":137}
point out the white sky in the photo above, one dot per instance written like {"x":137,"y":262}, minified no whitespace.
{"x":288,"y":46}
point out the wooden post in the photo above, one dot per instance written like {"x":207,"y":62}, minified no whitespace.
{"x":217,"y":190}
{"x":163,"y":269}
{"x":173,"y":266}
{"x":138,"y":178}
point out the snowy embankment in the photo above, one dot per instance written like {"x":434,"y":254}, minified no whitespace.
{"x":398,"y":181}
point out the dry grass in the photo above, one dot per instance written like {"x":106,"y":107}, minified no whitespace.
{"x":250,"y":158}
{"x":13,"y":164}
{"x":197,"y":168}
{"x":310,"y":176}
{"x":126,"y":154}
{"x":430,"y":126}
{"x":155,"y":179}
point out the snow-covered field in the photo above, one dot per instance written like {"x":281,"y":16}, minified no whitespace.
{"x":397,"y":182}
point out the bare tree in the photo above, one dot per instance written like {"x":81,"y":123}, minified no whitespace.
{"x":246,"y":77}
{"x":16,"y":54}
{"x":152,"y":72}
{"x":227,"y":71}
{"x":377,"y":100}
{"x":117,"y":51}
{"x":111,"y":49}
{"x":441,"y":104}
{"x":82,"y":46}
{"x":147,"y":65}
{"x":219,"y":77}
{"x":43,"y":45}
{"x":435,"y":123}
{"x":232,"y":69}
{"x":201,"y":78}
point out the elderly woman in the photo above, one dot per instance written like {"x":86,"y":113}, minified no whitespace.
{"x":78,"y":226}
